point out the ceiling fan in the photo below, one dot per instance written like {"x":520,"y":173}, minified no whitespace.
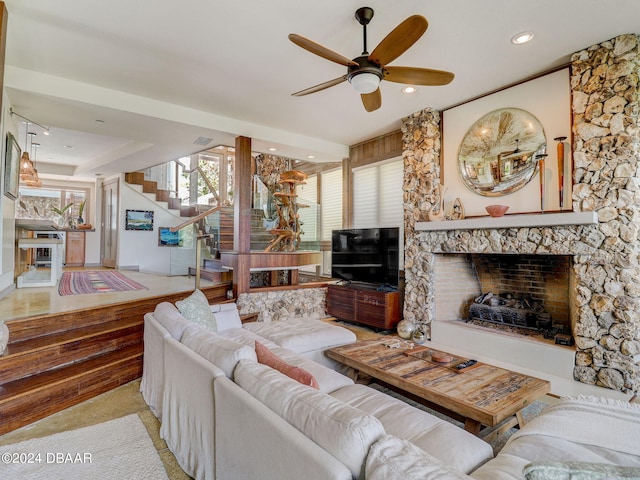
{"x":365,"y":72}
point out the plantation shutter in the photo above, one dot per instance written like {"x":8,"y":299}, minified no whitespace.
{"x":308,"y":195}
{"x":331,"y":203}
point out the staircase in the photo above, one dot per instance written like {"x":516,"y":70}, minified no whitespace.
{"x":58,"y":360}
{"x":137,"y":178}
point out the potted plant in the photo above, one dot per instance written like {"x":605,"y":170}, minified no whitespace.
{"x":80,"y":212}
{"x":61,"y":212}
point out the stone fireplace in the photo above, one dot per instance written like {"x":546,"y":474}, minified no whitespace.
{"x":604,"y":288}
{"x":521,"y":294}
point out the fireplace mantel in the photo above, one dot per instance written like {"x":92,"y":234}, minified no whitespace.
{"x":512,"y":221}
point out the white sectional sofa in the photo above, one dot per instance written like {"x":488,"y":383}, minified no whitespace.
{"x":220,"y":429}
{"x":226,"y":416}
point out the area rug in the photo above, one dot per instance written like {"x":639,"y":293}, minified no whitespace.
{"x":114,"y":450}
{"x":95,"y":281}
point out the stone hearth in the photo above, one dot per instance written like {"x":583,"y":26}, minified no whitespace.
{"x":605,"y":256}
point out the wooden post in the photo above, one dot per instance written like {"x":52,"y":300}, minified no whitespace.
{"x":242,"y":215}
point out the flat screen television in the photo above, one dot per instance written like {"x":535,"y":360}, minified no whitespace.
{"x":366,"y":255}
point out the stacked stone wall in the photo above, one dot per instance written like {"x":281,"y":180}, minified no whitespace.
{"x":604,"y":82}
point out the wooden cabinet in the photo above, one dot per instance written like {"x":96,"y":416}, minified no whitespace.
{"x":75,"y":249}
{"x":366,"y":306}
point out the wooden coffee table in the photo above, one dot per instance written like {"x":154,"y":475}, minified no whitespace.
{"x":480,"y":395}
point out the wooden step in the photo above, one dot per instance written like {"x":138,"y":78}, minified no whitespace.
{"x":163,"y":195}
{"x":149,"y":187}
{"x":188,"y":211}
{"x":30,"y":399}
{"x":136,"y":178}
{"x":34,"y":356}
{"x":213,"y":275}
{"x":175,"y":203}
{"x":47,"y":368}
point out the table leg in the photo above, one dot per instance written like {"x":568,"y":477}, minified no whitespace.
{"x":472,"y":426}
{"x":521,"y":420}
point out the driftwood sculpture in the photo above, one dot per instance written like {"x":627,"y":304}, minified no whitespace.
{"x":287,"y":233}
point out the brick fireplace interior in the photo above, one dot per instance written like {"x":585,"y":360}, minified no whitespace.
{"x":531,"y":293}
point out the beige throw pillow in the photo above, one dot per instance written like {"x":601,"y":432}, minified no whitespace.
{"x":196,"y":309}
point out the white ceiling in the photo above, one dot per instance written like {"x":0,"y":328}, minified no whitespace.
{"x":162,"y":73}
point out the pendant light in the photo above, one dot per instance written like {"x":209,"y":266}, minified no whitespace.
{"x":27,"y":169}
{"x":34,"y":181}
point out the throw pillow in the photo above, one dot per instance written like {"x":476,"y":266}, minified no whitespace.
{"x":196,"y":308}
{"x":267,"y":357}
{"x":579,"y":471}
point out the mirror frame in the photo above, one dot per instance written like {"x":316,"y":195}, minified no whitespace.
{"x":498,"y":154}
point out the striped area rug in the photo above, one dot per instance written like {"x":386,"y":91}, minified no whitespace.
{"x":96,"y":281}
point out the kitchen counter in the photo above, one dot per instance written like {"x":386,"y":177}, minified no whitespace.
{"x":46,"y":225}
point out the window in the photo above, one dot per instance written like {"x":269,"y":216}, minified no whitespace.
{"x":37,"y":203}
{"x":331,"y":203}
{"x":309,"y":216}
{"x":377,"y":196}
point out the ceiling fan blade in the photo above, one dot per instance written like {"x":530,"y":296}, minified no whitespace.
{"x":399,"y":40}
{"x":417,"y":76}
{"x":372,"y":101}
{"x":321,"y":51}
{"x":320,"y":86}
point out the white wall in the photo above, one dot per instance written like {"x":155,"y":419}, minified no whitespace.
{"x":139,"y":249}
{"x":548,"y":99}
{"x":7,"y":205}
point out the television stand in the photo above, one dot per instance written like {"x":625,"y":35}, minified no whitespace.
{"x":365,"y":305}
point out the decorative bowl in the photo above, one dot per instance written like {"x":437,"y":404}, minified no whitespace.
{"x":496,"y":210}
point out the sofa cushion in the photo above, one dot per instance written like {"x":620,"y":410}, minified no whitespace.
{"x":344,"y":431}
{"x":227,"y":316}
{"x":392,"y":458}
{"x":302,"y":336}
{"x":267,"y":357}
{"x":220,"y":351}
{"x":328,"y":379}
{"x":170,"y":318}
{"x":196,"y":308}
{"x":448,"y":443}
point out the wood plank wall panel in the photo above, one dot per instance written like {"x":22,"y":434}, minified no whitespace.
{"x":375,"y":150}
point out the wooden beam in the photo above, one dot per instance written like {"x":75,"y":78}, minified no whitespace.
{"x":242,"y":196}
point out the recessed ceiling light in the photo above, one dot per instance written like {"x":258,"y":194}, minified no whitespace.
{"x":311,"y":157}
{"x":100,"y":122}
{"x":70,"y":147}
{"x":272,"y":149}
{"x":522,"y":37}
{"x":409,"y":90}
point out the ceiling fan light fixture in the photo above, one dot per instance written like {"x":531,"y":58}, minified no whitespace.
{"x":365,"y":82}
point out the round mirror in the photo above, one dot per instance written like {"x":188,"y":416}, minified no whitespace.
{"x":498,"y":154}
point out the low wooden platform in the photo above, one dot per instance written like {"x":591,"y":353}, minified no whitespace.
{"x":58,"y":360}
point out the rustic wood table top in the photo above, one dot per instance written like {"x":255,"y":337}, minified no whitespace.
{"x":481,"y":394}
